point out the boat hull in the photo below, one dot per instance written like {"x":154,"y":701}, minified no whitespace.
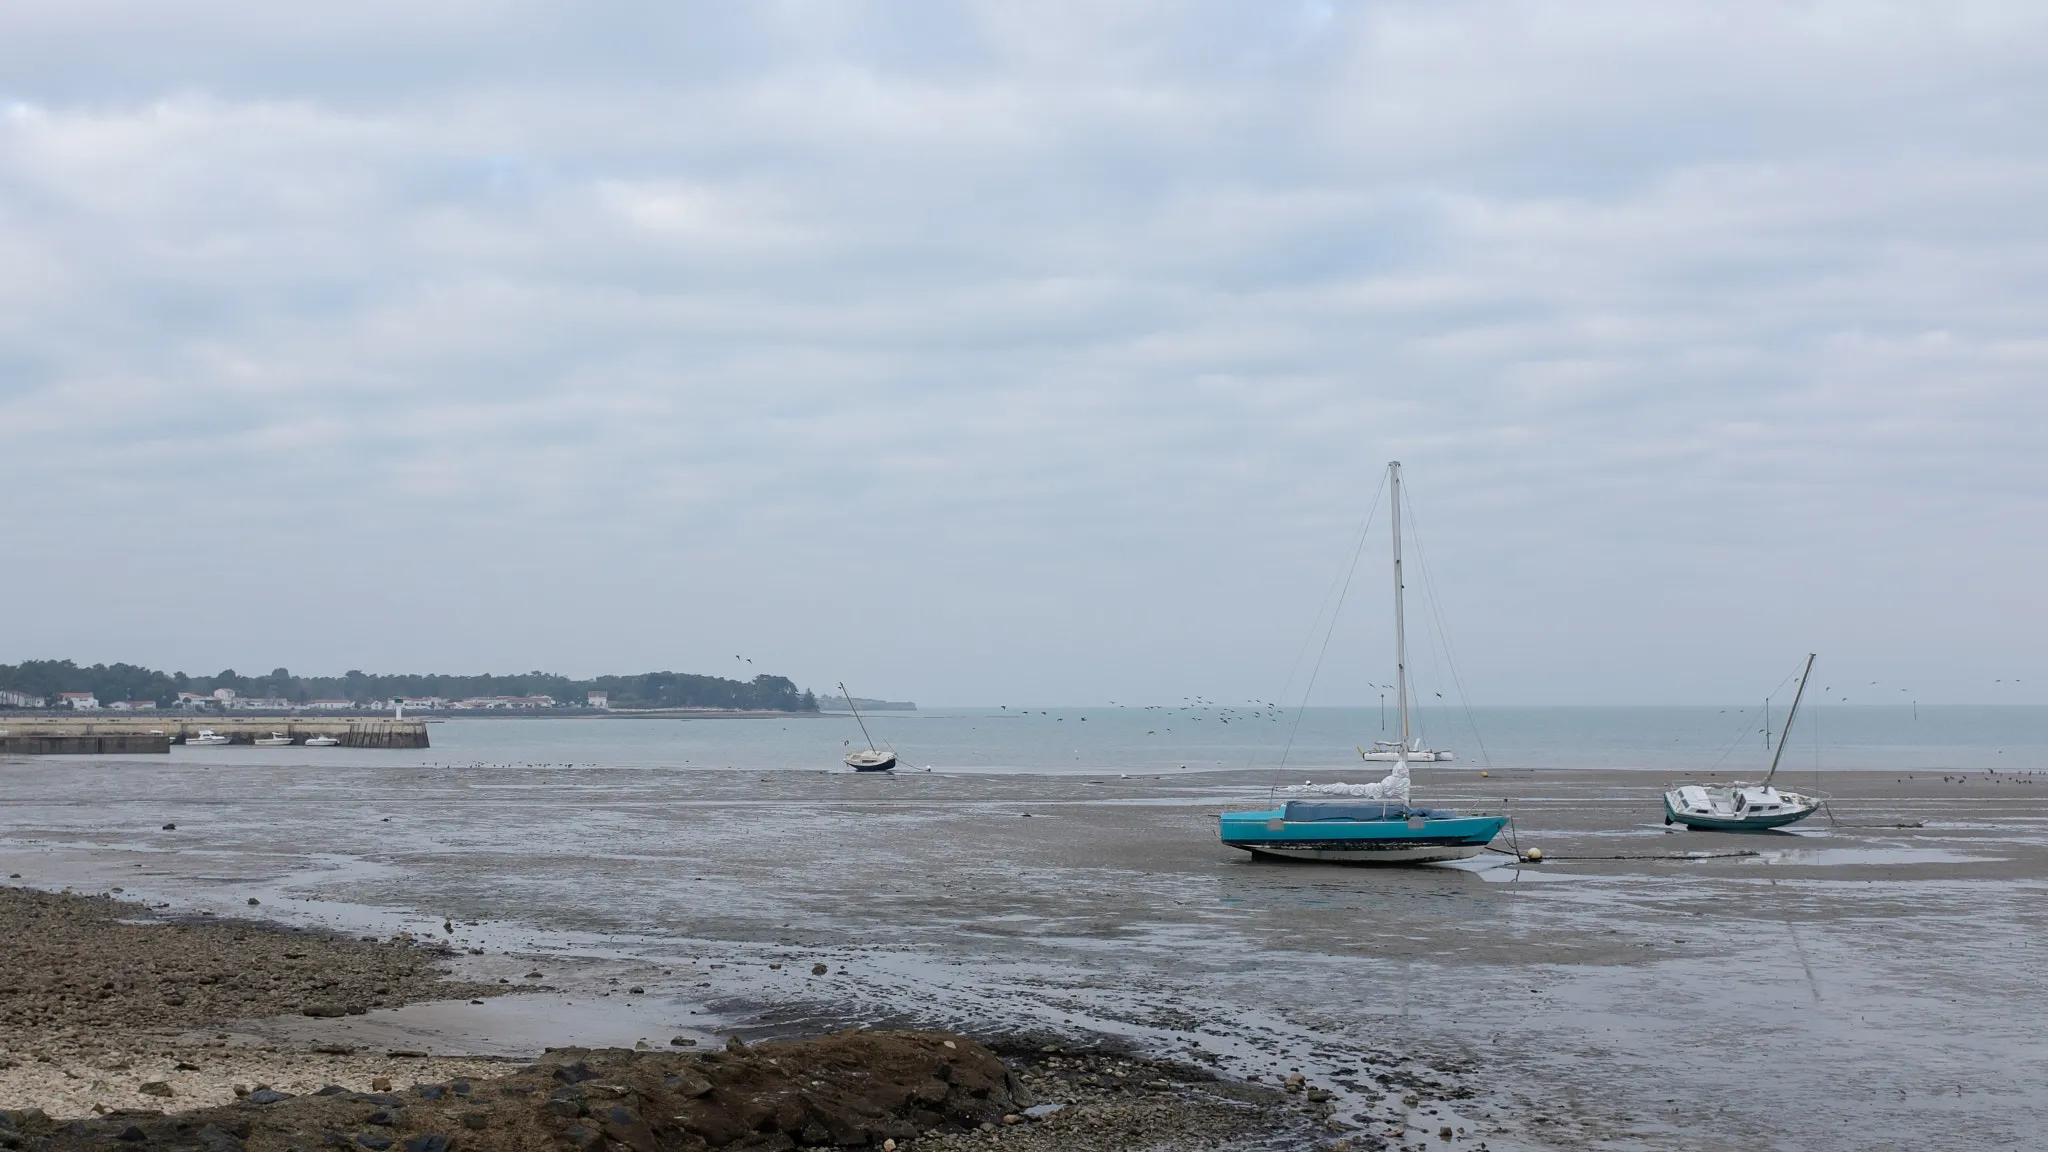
{"x":861,"y":762}
{"x":1270,"y":835}
{"x":1759,"y":823}
{"x":1413,"y":757}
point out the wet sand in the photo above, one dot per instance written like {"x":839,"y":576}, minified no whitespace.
{"x":1880,"y":977}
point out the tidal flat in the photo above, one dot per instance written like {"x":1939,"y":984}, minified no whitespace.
{"x":1641,"y":988}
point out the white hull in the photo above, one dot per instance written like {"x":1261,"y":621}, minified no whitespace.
{"x":871,"y":760}
{"x":321,"y":742}
{"x":207,"y":738}
{"x":1419,"y":854}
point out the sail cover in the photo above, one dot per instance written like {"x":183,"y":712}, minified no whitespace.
{"x":1393,"y":787}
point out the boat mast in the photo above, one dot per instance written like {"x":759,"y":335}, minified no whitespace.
{"x":1789,"y":717}
{"x":856,"y":716}
{"x":1400,"y":627}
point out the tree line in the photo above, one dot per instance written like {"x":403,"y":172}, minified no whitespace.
{"x":110,"y":682}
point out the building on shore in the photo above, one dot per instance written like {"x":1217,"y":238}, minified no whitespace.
{"x":13,"y":699}
{"x":598,"y":700}
{"x":78,"y":701}
{"x":328,"y":704}
{"x":131,"y":706}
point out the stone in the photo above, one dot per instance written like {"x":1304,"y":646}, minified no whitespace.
{"x":254,"y":901}
{"x":131,"y":1135}
{"x":214,"y":1140}
{"x":475,"y":1121}
{"x":323,"y":1011}
{"x":581,"y":1138}
{"x":735,"y":1044}
{"x":1318,"y":1095}
{"x":332,"y":1090}
{"x":155,"y":1088}
{"x":374,"y":1142}
{"x":381,"y":1084}
{"x":575,"y":1073}
{"x":170,"y":827}
{"x":267,"y":1096}
{"x":383,"y":1118}
{"x":683,"y":1042}
{"x":429,"y":1091}
{"x":636,"y":990}
{"x":429,"y":1142}
{"x":819,"y":969}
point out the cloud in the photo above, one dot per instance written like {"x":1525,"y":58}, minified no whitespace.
{"x":1063,"y":340}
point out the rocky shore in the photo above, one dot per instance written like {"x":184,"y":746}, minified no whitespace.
{"x":117,"y":1031}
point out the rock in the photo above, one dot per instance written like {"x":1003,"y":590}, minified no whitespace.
{"x":683,"y":1042}
{"x":1294,"y":1082}
{"x":323,"y":1011}
{"x":734,"y":1044}
{"x":429,"y":1142}
{"x":132,"y":1135}
{"x":1318,"y":1095}
{"x":267,"y":1096}
{"x":170,"y":827}
{"x":581,"y":1138}
{"x":332,"y":1090}
{"x":575,"y":1073}
{"x":1041,"y":1111}
{"x":476,"y":1121}
{"x":374,"y":1142}
{"x":429,"y":1091}
{"x":1410,"y":1101}
{"x":334,"y":1049}
{"x":254,"y":901}
{"x":1444,"y":1133}
{"x":819,"y":969}
{"x":1013,"y":1119}
{"x":214,"y":1140}
{"x":383,"y":1118}
{"x":155,"y":1088}
{"x":381,"y":1084}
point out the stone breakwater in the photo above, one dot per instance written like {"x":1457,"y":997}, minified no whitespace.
{"x":45,"y":735}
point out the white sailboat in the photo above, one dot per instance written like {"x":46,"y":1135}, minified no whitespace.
{"x":1741,"y":806}
{"x":871,"y":758}
{"x":1388,"y":751}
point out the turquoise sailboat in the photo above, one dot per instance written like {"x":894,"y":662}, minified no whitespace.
{"x":1365,"y":823}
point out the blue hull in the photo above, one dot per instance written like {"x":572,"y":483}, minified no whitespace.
{"x":1415,"y":841}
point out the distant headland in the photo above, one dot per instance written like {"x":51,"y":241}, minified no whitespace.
{"x":63,"y":684}
{"x":838,"y":704}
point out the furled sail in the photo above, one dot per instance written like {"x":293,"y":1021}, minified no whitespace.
{"x":1393,"y":787}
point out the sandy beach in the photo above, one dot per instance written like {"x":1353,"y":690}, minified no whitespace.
{"x":119,"y":1027}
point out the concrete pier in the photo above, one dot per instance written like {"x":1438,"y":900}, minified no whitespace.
{"x":46,"y":735}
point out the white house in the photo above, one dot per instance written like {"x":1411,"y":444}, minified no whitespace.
{"x":423,"y":702}
{"x":329,"y":705}
{"x":9,"y":699}
{"x":131,"y":706}
{"x":530,"y":701}
{"x":193,"y":699}
{"x":223,"y":694}
{"x":599,"y":699}
{"x":78,"y":701}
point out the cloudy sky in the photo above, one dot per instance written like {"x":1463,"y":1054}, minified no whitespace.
{"x":1033,"y":351}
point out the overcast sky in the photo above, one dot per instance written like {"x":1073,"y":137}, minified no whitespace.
{"x":1029,"y":352}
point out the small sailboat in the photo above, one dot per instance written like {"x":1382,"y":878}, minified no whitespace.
{"x":871,"y":758}
{"x":321,"y":741}
{"x":1740,"y":806}
{"x":274,"y":740}
{"x":207,"y":737}
{"x":1366,"y":823}
{"x":1389,"y":750}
